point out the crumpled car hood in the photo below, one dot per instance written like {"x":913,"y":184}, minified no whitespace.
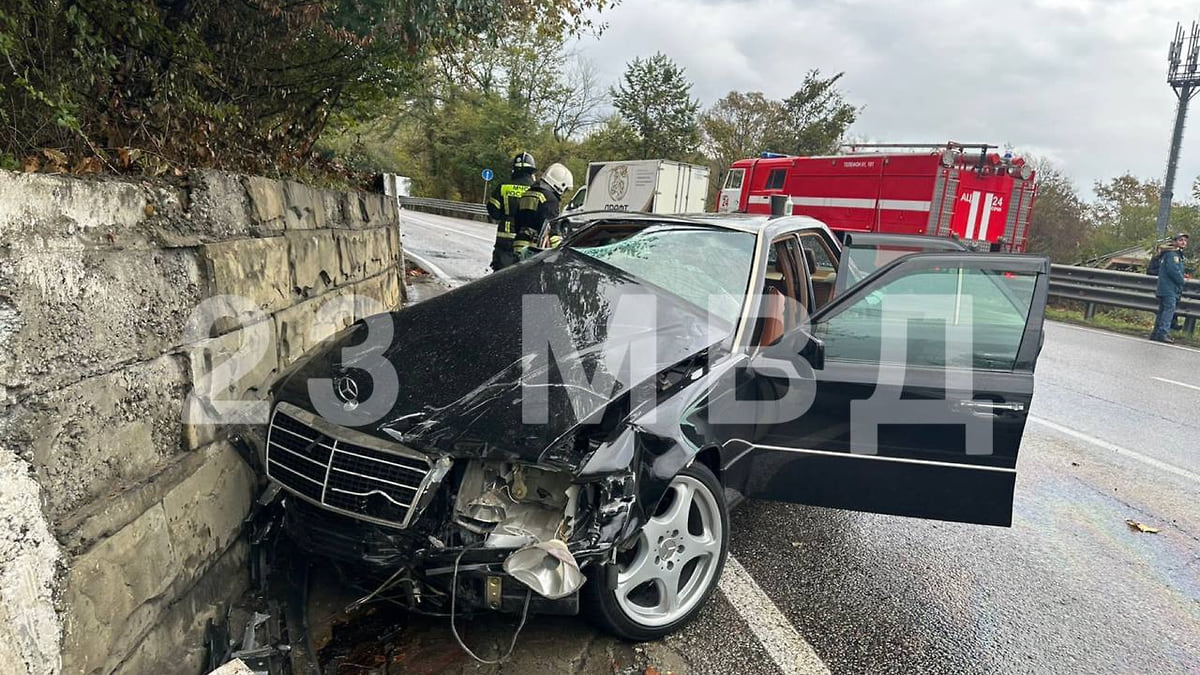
{"x":508,"y":366}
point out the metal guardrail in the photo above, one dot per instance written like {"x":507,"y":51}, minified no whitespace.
{"x":446,"y":207}
{"x":1129,"y":290}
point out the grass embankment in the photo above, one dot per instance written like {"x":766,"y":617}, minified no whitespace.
{"x":1126,"y":321}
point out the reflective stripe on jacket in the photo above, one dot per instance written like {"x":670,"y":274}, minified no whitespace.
{"x":534,"y":208}
{"x":502,"y":205}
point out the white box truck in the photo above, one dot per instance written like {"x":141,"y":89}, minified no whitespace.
{"x":646,"y":185}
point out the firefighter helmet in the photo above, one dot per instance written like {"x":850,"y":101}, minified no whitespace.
{"x":559,"y":178}
{"x":523,"y":162}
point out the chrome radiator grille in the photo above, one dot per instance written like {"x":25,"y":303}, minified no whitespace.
{"x":342,"y":470}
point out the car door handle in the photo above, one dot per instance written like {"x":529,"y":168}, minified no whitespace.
{"x":993,"y":407}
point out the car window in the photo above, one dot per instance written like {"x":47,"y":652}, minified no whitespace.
{"x":822,"y":260}
{"x":823,"y":267}
{"x":784,"y":292}
{"x":863,"y":260}
{"x":733,"y":181}
{"x":776,"y":178}
{"x":707,"y":267}
{"x":947,"y":316}
{"x":577,"y":200}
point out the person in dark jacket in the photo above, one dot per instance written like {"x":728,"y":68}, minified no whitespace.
{"x":1170,"y":286}
{"x":502,"y":208}
{"x":540,"y":203}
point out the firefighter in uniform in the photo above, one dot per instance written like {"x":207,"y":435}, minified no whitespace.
{"x":1171,"y":282}
{"x":540,"y":203}
{"x":502,"y":205}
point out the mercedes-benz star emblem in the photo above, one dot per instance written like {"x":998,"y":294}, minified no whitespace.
{"x":346,"y":389}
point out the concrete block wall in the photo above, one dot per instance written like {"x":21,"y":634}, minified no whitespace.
{"x":119,"y":522}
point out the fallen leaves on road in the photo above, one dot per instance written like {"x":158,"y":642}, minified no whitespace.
{"x":1141,"y":527}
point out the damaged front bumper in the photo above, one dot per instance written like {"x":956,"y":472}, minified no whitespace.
{"x":421,"y":529}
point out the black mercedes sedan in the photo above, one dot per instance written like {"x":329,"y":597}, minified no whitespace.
{"x":568,"y":434}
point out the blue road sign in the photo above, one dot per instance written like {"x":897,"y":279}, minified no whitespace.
{"x":488,"y":175}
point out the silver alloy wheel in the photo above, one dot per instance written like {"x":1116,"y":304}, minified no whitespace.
{"x":676,"y":557}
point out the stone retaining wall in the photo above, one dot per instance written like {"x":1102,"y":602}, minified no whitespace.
{"x":119,"y":523}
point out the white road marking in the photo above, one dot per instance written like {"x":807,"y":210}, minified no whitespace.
{"x":437,"y":271}
{"x":426,"y":223}
{"x":1132,"y":454}
{"x":1181,"y":384}
{"x":1121,"y":336}
{"x":786,"y":648}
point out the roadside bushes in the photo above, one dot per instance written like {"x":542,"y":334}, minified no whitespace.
{"x":157,"y":85}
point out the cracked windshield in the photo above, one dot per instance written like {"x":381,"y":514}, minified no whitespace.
{"x":680,"y":261}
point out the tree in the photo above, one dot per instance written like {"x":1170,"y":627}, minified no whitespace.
{"x":475,"y":108}
{"x":251,"y":84}
{"x":1123,"y":213}
{"x":814,"y":118}
{"x":810,"y":121}
{"x":578,"y":101}
{"x":524,"y":66}
{"x":613,"y":140}
{"x":654,"y":99}
{"x":1058,"y":225}
{"x":738,"y":126}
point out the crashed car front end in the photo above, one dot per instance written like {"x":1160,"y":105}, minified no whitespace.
{"x":427,"y":518}
{"x":453,"y":490}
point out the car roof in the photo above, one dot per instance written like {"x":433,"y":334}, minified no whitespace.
{"x":759,"y":224}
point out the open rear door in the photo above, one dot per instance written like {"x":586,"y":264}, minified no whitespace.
{"x":923,"y":376}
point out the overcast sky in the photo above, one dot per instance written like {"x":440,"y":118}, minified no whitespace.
{"x":1082,"y":82}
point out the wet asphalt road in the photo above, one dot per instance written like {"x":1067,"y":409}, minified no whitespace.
{"x":457,"y":250}
{"x":1069,"y":588}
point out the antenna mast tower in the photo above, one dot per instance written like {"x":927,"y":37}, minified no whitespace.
{"x":1184,"y":81}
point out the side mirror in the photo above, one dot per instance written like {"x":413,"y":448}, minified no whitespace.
{"x":814,"y":353}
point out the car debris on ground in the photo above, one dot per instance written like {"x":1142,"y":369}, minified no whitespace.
{"x":1141,"y":527}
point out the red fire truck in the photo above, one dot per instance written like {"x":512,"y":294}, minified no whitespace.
{"x":965,"y":189}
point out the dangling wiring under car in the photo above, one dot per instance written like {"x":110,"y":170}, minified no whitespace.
{"x":454,"y":628}
{"x":385,"y":585}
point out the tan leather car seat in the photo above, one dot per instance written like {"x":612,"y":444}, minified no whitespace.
{"x":773,"y":317}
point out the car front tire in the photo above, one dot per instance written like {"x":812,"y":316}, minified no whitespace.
{"x":658,"y":585}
